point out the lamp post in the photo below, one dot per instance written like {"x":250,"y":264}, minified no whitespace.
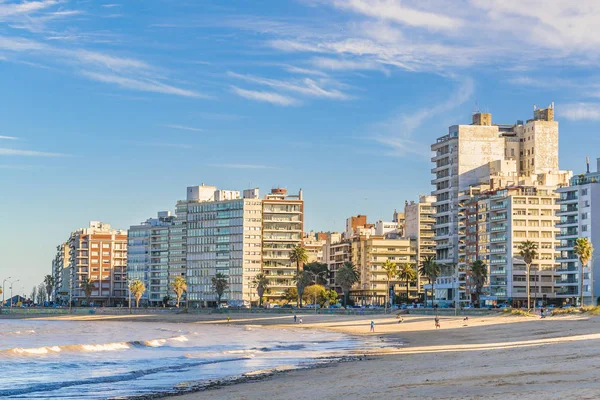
{"x":3,"y":291}
{"x":11,"y":292}
{"x":129,"y":290}
{"x":315,"y":276}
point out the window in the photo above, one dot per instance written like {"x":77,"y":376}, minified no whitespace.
{"x":584,"y":216}
{"x":94,"y":245}
{"x":106,"y":246}
{"x":584,"y":192}
{"x":584,"y":228}
{"x":586,"y":203}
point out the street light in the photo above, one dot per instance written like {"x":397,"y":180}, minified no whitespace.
{"x":315,"y":276}
{"x":11,"y":292}
{"x":3,"y":291}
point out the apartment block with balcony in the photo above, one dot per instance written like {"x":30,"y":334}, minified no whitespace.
{"x":470,"y":155}
{"x":314,"y":242}
{"x":419,"y":225}
{"x":149,"y":246}
{"x":99,"y":253}
{"x":579,"y":216}
{"x":223,"y":235}
{"x":61,"y":274}
{"x":282,"y":230}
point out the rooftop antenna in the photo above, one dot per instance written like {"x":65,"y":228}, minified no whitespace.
{"x":587,"y":161}
{"x":475,"y":108}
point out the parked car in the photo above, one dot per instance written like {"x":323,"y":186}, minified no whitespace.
{"x":567,"y":306}
{"x":551,"y":306}
{"x":503,"y":306}
{"x":468,"y":307}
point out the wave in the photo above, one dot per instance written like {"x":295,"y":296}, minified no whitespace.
{"x":126,"y":376}
{"x":93,"y":348}
{"x":26,"y":332}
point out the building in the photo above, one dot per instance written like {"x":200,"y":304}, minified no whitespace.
{"x":282,"y":230}
{"x":470,"y":155}
{"x":223,"y":236}
{"x":419,"y":226}
{"x":99,"y":253}
{"x":383,"y":228}
{"x":314,"y":243}
{"x":578,"y":214}
{"x":492,"y":225}
{"x":61,"y":274}
{"x":148,"y":256}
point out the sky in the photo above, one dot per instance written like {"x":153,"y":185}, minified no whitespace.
{"x":109,"y":109}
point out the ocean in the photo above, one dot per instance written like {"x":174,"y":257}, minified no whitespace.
{"x":110,"y":359}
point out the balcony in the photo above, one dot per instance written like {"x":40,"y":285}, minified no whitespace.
{"x":498,"y":239}
{"x":501,"y":228}
{"x":499,"y":206}
{"x":498,"y":261}
{"x":498,"y":250}
{"x":498,"y":217}
{"x":498,"y":271}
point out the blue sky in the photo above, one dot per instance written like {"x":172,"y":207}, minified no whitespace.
{"x":109,"y":109}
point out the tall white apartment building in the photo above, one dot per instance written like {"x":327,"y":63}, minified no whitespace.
{"x":148,"y":256}
{"x":579,"y":215}
{"x":223,"y":236}
{"x":470,"y":155}
{"x":419,"y":225}
{"x":61,"y":274}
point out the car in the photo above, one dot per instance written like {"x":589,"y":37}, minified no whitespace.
{"x":551,"y":306}
{"x":503,"y":306}
{"x":567,"y":306}
{"x":276,"y":306}
{"x":467,"y":307}
{"x":287,"y":306}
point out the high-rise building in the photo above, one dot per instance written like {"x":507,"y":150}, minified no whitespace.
{"x":223,"y":235}
{"x":314,"y":242}
{"x":61,"y":274}
{"x":99,"y":253}
{"x":282,"y":230}
{"x":148,"y":255}
{"x":579,"y":215}
{"x":471,"y":154}
{"x":419,"y":226}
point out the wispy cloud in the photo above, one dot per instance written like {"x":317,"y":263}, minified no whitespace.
{"x":11,"y":9}
{"x":306,"y":87}
{"x":241,"y":166}
{"x":163,"y":145}
{"x":147,"y":85}
{"x":397,"y":132}
{"x":579,"y":111}
{"x":268,"y":97}
{"x":8,"y":138}
{"x":304,"y":71}
{"x":182,"y":127}
{"x":347,"y":65}
{"x":29,"y":153}
{"x":111,"y":5}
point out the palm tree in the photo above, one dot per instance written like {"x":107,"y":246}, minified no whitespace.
{"x":302,"y":281}
{"x":479,"y":274}
{"x":179,"y":286}
{"x":528,"y":250}
{"x":584,"y":250}
{"x":220,"y":283}
{"x":347,"y":276}
{"x":88,"y":287}
{"x":137,"y":289}
{"x":300,"y":257}
{"x":431,"y":270}
{"x":49,"y":283}
{"x":391,"y":271}
{"x":408,"y":274}
{"x":262,"y":284}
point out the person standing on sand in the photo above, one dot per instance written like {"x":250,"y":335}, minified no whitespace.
{"x":437,"y":322}
{"x":228,"y":319}
{"x":300,"y":320}
{"x":295,"y":318}
{"x":372,"y":326}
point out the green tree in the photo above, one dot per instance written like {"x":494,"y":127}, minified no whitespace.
{"x":262,"y":284}
{"x":220,"y":283}
{"x":431,"y":270}
{"x":528,"y":251}
{"x":584,"y":250}
{"x":391,"y":271}
{"x":165,"y":300}
{"x":302,"y":281}
{"x":49,"y":284}
{"x":88,"y":287}
{"x":331,"y":296}
{"x":137,"y":289}
{"x":299,"y":256}
{"x":179,"y":286}
{"x":479,"y":274}
{"x":408,"y":274}
{"x":290,"y":295}
{"x":345,"y":277}
{"x":318,"y":269}
{"x":314,"y":292}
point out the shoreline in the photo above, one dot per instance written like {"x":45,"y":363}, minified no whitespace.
{"x":495,"y":356}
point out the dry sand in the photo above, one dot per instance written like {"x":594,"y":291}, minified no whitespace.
{"x":492,"y":357}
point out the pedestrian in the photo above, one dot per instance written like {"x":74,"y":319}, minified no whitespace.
{"x":295,"y":318}
{"x":542,"y":312}
{"x":437,"y":322}
{"x":372,"y":326}
{"x":228,"y":319}
{"x":300,"y":320}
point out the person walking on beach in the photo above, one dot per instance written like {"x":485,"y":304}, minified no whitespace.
{"x":295,"y":318}
{"x":300,"y":320}
{"x":437,"y":322}
{"x":228,"y":319}
{"x":372,"y":326}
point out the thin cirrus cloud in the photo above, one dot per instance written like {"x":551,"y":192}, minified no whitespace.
{"x":241,"y":166}
{"x":8,"y":138}
{"x":29,"y":153}
{"x":307,"y":86}
{"x":266,"y":97}
{"x":580,"y":111}
{"x":182,"y":127}
{"x":12,"y":9}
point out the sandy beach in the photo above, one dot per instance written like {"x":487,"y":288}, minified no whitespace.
{"x":491,"y":357}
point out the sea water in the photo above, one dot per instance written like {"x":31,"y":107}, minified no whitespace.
{"x":107,"y":359}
